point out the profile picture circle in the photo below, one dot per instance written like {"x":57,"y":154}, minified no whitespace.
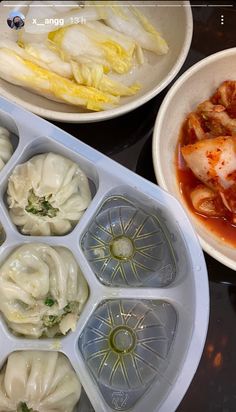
{"x":16,"y":20}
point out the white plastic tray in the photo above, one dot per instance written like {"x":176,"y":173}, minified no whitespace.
{"x":187,"y":293}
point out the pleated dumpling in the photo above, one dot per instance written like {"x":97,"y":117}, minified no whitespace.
{"x":47,"y":195}
{"x":38,"y":381}
{"x":6,"y":148}
{"x":42,"y":290}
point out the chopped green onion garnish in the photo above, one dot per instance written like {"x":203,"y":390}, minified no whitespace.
{"x":24,"y":408}
{"x":40,"y":205}
{"x":49,"y":302}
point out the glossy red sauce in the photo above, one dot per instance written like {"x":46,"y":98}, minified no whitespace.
{"x":220,"y":226}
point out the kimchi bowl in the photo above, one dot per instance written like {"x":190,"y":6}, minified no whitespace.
{"x":197,"y":85}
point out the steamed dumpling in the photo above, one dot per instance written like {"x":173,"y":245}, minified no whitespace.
{"x":38,"y":381}
{"x":47,"y":195}
{"x":42,"y":290}
{"x":6,"y":148}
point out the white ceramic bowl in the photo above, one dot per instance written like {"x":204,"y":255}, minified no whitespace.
{"x":173,"y":20}
{"x":194,"y":86}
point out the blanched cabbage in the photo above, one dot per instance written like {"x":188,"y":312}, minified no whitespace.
{"x":41,"y":55}
{"x":130,"y":21}
{"x":47,"y":195}
{"x":92,"y":75}
{"x":42,"y":290}
{"x":38,"y":381}
{"x":6,"y":148}
{"x":16,"y":70}
{"x":97,"y":43}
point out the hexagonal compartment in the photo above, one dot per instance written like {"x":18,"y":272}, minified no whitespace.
{"x":40,"y":380}
{"x":180,"y":343}
{"x":129,"y":246}
{"x":38,"y":217}
{"x":125,"y":345}
{"x":42,"y":290}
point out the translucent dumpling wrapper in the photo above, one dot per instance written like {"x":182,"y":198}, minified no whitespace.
{"x":47,"y":195}
{"x":42,"y":290}
{"x":97,"y":43}
{"x":6,"y":149}
{"x":22,"y":72}
{"x":131,"y":22}
{"x":38,"y":381}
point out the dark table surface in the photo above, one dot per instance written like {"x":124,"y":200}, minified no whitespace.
{"x":128,"y":140}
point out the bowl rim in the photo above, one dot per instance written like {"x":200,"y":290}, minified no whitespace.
{"x":219,"y":256}
{"x":120,"y":110}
